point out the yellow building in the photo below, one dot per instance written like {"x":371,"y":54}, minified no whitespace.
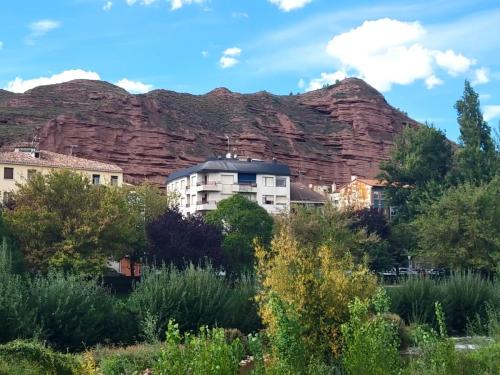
{"x":16,"y":167}
{"x":362,"y":193}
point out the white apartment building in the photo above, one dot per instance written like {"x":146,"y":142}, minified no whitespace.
{"x":201,"y":187}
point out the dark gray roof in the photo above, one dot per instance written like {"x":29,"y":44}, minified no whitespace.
{"x":232,"y":165}
{"x":301,"y":193}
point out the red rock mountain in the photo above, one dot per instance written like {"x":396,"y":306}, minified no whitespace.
{"x":325,"y":136}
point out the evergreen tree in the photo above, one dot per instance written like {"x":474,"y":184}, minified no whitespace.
{"x":419,"y":162}
{"x":475,"y":160}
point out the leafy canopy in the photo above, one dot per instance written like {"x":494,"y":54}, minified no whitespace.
{"x":62,"y":221}
{"x":241,"y":221}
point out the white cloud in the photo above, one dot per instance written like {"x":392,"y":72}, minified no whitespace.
{"x":288,"y":5}
{"x":326,"y":79}
{"x":484,"y":97}
{"x":228,"y":58}
{"x":481,"y":76}
{"x":1,"y":44}
{"x":233,"y":51}
{"x":107,"y":6}
{"x":239,"y":15}
{"x":301,"y":84}
{"x":204,"y":53}
{"x":134,"y":87}
{"x":174,"y":4}
{"x":452,"y":62}
{"x":228,"y":62}
{"x":21,"y":85}
{"x":432,"y":81}
{"x":42,"y":27}
{"x":491,"y":112}
{"x":387,"y":51}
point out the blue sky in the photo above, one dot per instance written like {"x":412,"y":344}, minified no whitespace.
{"x":417,"y":53}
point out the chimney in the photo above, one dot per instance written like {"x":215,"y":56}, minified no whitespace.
{"x":334,"y":187}
{"x":353,"y":178}
{"x":228,"y":155}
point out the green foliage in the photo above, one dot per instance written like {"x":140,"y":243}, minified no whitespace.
{"x":371,"y":337}
{"x":16,"y":316}
{"x":370,"y":341}
{"x":195,"y":297}
{"x":309,"y":267}
{"x":475,"y":161}
{"x":73,"y":311}
{"x":131,"y":360}
{"x":419,"y":161}
{"x":413,"y":299}
{"x":27,"y":357}
{"x":241,"y":222}
{"x":464,"y":297}
{"x":461,"y":228}
{"x":207,"y":353}
{"x":62,"y":221}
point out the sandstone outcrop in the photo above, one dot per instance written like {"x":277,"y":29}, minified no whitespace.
{"x":325,"y":136}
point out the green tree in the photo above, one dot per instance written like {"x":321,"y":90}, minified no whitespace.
{"x":62,"y":221}
{"x":475,"y":160}
{"x":241,"y":222}
{"x":461,"y":229}
{"x":421,"y":158}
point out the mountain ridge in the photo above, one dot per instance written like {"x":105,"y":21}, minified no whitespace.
{"x":325,"y":136}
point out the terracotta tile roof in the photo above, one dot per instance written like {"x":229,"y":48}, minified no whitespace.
{"x":54,"y":160}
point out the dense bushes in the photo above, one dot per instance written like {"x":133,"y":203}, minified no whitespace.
{"x":195,"y":297}
{"x":71,"y":312}
{"x":67,"y":311}
{"x":464,"y":297}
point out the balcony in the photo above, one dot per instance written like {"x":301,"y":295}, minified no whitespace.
{"x":245,"y":188}
{"x":206,"y":205}
{"x":208,"y":186}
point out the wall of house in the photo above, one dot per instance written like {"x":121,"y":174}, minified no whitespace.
{"x":355,"y":195}
{"x":21,"y":176}
{"x":222,"y":185}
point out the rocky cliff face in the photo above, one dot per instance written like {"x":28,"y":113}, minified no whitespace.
{"x":325,"y":136}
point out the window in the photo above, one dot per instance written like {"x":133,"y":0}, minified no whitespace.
{"x":8,"y":173}
{"x":268,"y":199}
{"x":281,"y":200}
{"x":183,"y":183}
{"x":393,"y":211}
{"x":114,"y":180}
{"x":96,"y":179}
{"x":269,"y":181}
{"x":31,"y":173}
{"x":280,"y":182}
{"x":193,"y":180}
{"x":247,"y":178}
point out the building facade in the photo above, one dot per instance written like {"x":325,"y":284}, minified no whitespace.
{"x":18,"y":166}
{"x":361,"y":193}
{"x":201,"y":187}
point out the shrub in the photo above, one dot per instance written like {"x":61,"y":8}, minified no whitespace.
{"x":208,"y":353}
{"x":370,"y":340}
{"x":195,"y":297}
{"x":413,"y":299}
{"x":319,"y":282}
{"x":74,"y":311}
{"x":28,"y":357}
{"x":16,"y":315}
{"x":465,"y":296}
{"x":130,"y":360}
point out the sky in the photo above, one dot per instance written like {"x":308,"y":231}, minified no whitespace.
{"x":417,"y":53}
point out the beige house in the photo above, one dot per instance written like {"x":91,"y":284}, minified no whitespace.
{"x":362,"y":193}
{"x":17,"y":167}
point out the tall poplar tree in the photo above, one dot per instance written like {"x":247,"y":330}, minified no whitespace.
{"x":475,"y":161}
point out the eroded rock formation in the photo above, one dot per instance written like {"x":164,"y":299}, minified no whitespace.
{"x":325,"y":136}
